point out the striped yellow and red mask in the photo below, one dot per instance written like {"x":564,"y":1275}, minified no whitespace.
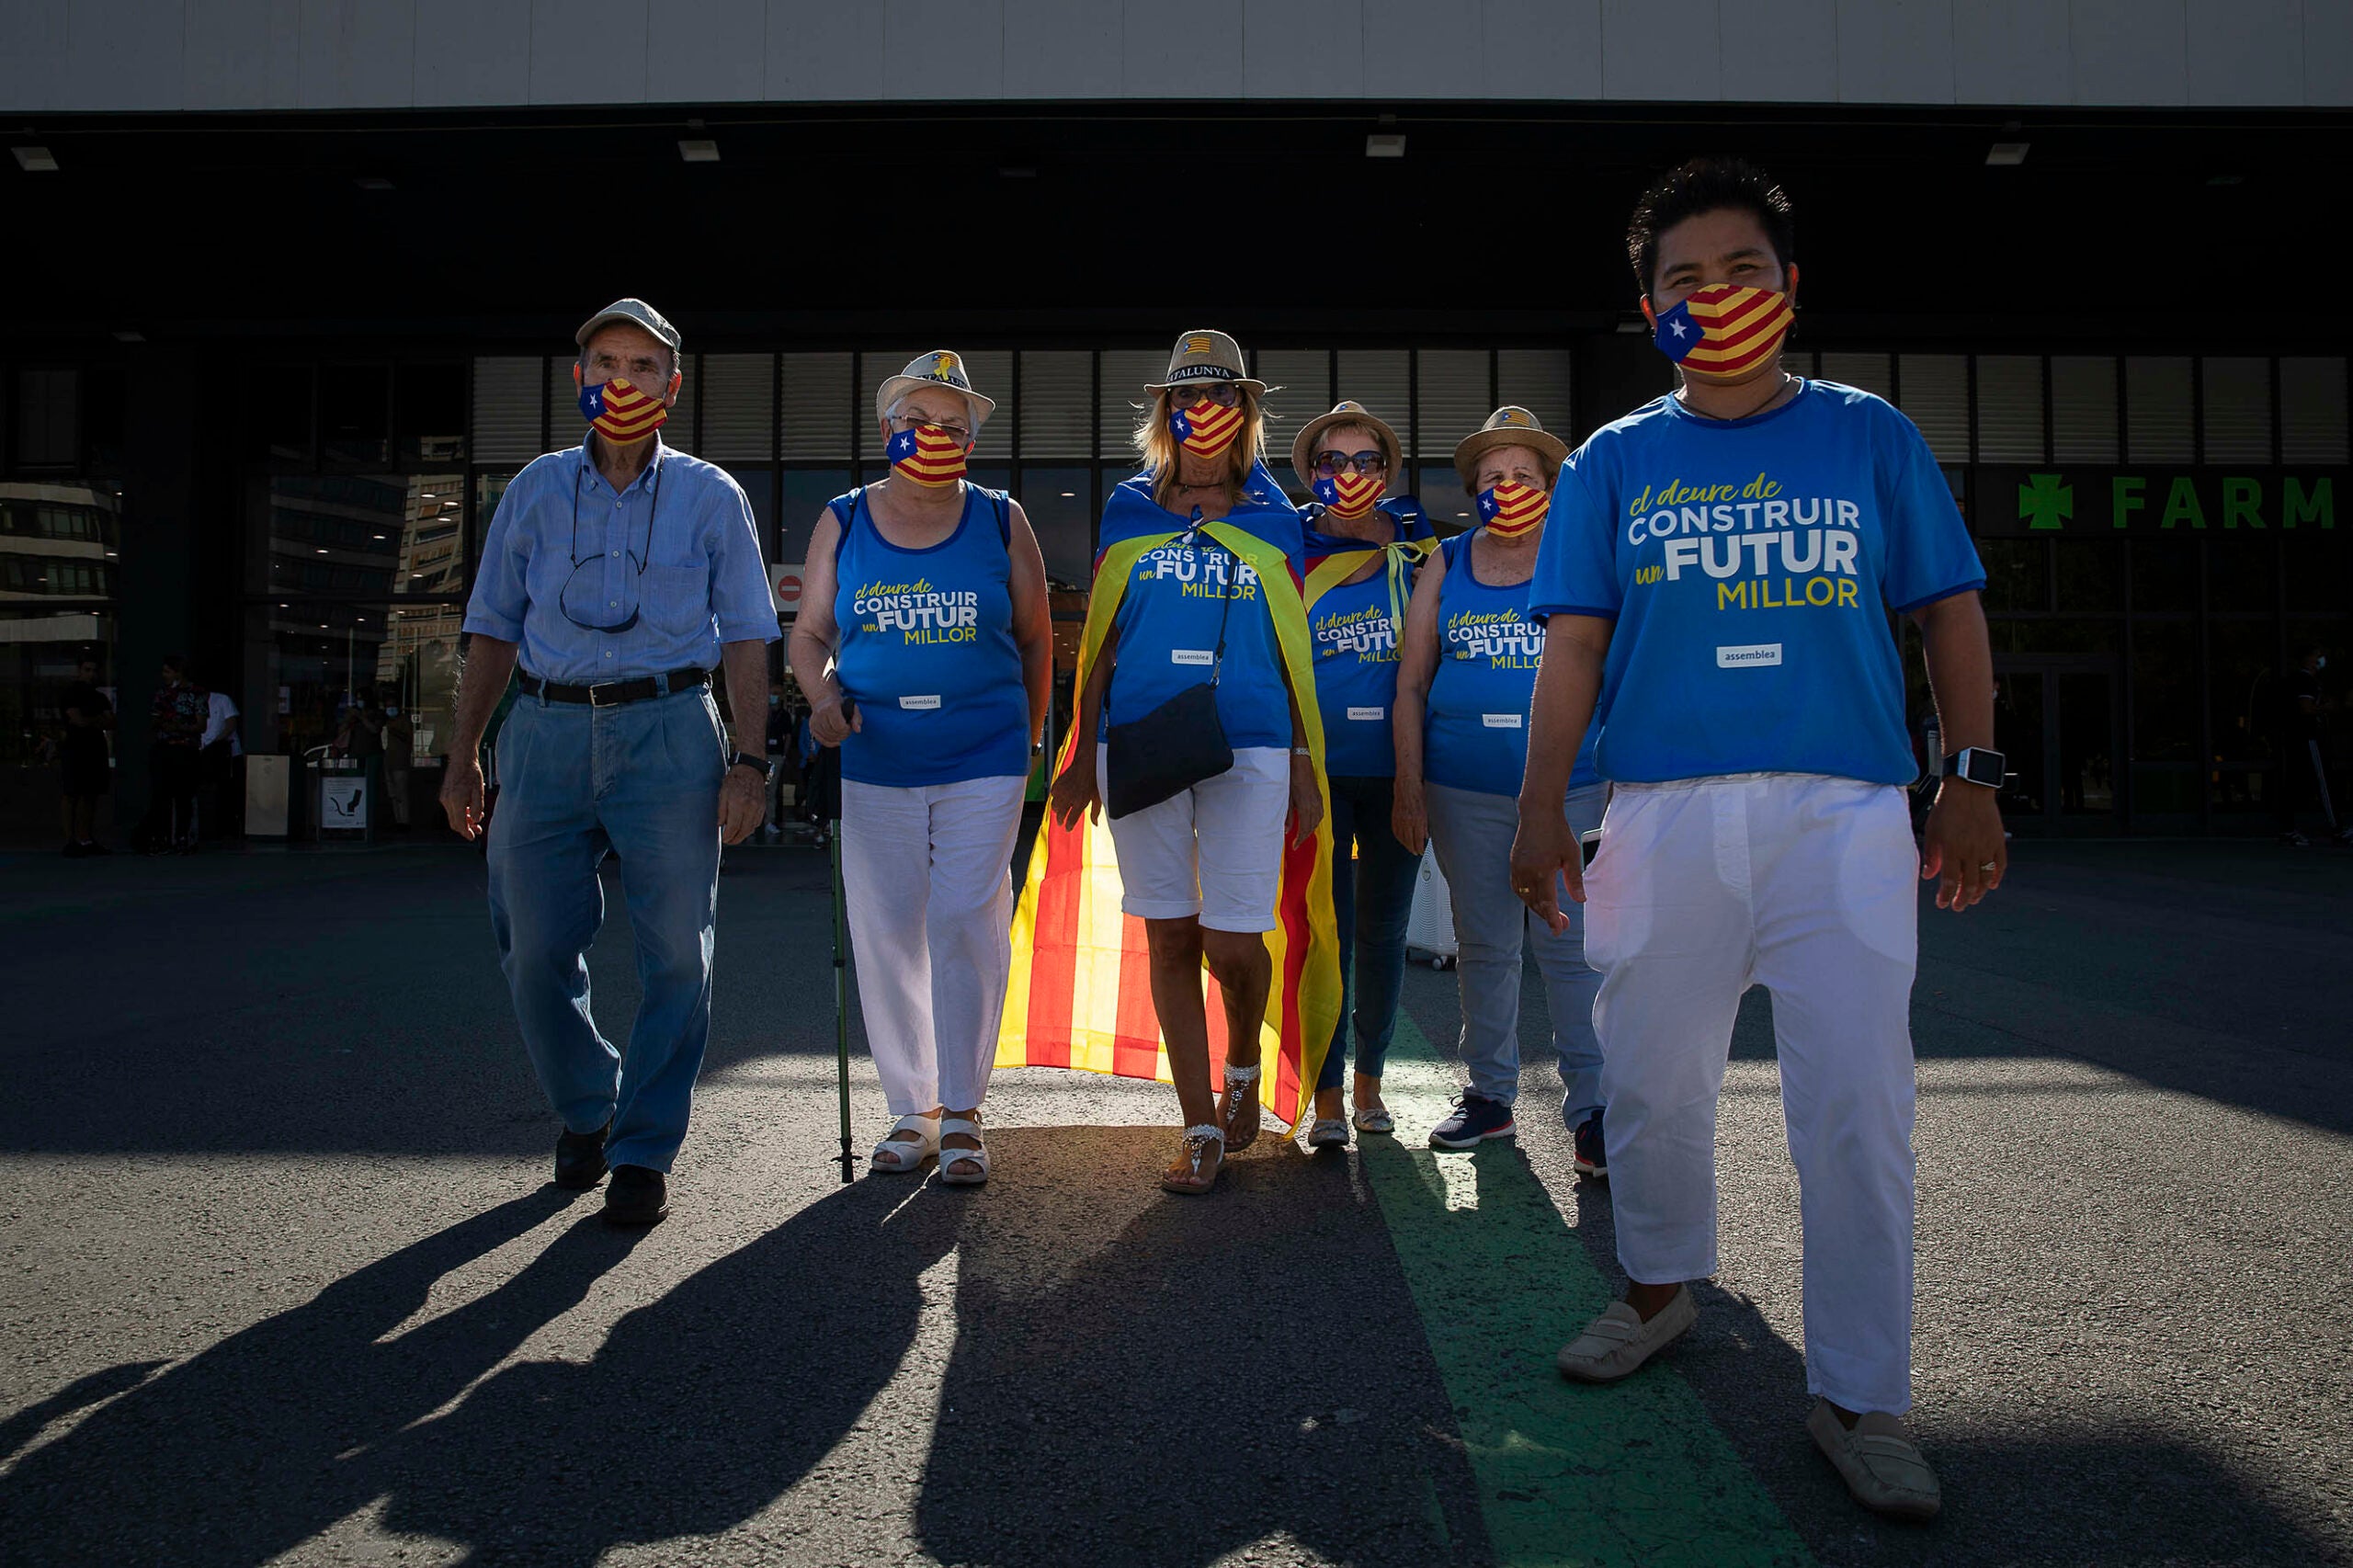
{"x":621,"y":412}
{"x":927,"y":455}
{"x":1725,"y":332}
{"x":1511,"y":508}
{"x":1349,"y":495}
{"x":1205,"y":429}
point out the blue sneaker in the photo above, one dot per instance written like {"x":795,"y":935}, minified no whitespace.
{"x":1476,"y":1119}
{"x":1592,"y":1159}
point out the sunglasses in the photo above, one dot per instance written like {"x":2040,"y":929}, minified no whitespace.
{"x":1225,"y":395}
{"x":1330,"y":465}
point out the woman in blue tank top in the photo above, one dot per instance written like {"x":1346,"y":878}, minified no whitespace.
{"x":1465,"y":678}
{"x":1202,"y":867}
{"x":926,"y":649}
{"x":1361,"y":566}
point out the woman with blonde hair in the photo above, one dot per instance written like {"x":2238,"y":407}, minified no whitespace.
{"x":1204,"y":755}
{"x":924,"y":646}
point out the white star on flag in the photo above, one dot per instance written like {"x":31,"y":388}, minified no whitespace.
{"x":1676,"y":327}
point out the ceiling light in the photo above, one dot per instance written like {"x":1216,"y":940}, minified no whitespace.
{"x":2006,"y":155}
{"x":698,"y":152}
{"x":2226,"y":179}
{"x":35,"y":160}
{"x":124,"y":334}
{"x":1378,"y":145}
{"x":372,"y":182}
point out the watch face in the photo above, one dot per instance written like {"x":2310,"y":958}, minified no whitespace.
{"x":1985,"y":767}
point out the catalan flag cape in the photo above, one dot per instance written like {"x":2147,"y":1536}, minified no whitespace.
{"x":1333,"y":559}
{"x":1081,"y":989}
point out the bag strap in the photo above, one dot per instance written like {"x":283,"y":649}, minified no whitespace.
{"x":998,"y":498}
{"x":1226,"y":595}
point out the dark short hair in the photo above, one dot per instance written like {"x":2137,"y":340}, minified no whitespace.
{"x":1707,"y":185}
{"x":174,"y":662}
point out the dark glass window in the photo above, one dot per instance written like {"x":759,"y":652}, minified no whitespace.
{"x":1444,"y":501}
{"x":280,"y":415}
{"x":355,"y":414}
{"x":2164,"y":573}
{"x":2242,"y":574}
{"x":1061,"y":509}
{"x":2319,"y":573}
{"x":2241,"y":663}
{"x":48,"y":422}
{"x":2091,"y":574}
{"x":800,"y":494}
{"x":106,"y":414}
{"x":2017,"y":573}
{"x":429,"y":401}
{"x":362,"y":535}
{"x":2164,"y":691}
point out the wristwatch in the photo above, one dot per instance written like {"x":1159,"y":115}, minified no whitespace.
{"x":1977,"y":765}
{"x":758,"y":764}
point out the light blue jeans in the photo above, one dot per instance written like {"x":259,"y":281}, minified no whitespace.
{"x":1472,"y":832}
{"x":642,"y":780}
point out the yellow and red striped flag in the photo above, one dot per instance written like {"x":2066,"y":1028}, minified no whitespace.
{"x":1081,"y":989}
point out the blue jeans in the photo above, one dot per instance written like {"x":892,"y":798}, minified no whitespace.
{"x":1372,"y":964}
{"x":644,"y":780}
{"x":1472,"y":832}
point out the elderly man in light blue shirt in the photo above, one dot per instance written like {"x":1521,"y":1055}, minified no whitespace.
{"x":615,"y":577}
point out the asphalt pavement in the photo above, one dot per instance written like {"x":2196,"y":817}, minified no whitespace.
{"x":282,"y":1281}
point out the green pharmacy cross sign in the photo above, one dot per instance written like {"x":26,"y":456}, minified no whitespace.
{"x":2095,"y":501}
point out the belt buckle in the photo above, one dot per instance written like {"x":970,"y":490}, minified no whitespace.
{"x":596,"y":698}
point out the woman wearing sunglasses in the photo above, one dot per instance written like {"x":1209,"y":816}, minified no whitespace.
{"x":1204,"y":754}
{"x":925,"y":647}
{"x":1362,"y":562}
{"x":1463,"y":688}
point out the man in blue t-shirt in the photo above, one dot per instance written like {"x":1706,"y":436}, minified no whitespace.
{"x":1718,"y":575}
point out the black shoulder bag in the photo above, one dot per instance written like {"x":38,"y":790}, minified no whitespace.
{"x":1179,"y":744}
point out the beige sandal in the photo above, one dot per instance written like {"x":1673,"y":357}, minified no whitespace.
{"x":1198,"y":1164}
{"x":1237,"y":1111}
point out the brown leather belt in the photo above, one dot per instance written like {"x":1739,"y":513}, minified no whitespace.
{"x":613,"y":693}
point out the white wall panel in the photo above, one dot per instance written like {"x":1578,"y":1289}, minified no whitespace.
{"x":2130,"y":51}
{"x":2328,"y":52}
{"x":1415,"y":49}
{"x":1895,"y":51}
{"x":1181,"y":51}
{"x":1062,"y":49}
{"x":1303,"y":48}
{"x":472,"y":52}
{"x":32,"y":53}
{"x":242,"y":54}
{"x":588,"y":52}
{"x":2011,"y":51}
{"x":818,"y":50}
{"x":943,"y":49}
{"x":125,"y":54}
{"x":1781,"y":51}
{"x":2247,"y":51}
{"x":713,"y":51}
{"x":1662,"y":50}
{"x":358,"y":54}
{"x":1539,"y":48}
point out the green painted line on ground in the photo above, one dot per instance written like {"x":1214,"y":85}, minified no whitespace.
{"x":1631,"y":1474}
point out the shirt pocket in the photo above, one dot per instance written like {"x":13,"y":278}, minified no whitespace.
{"x":677,"y":598}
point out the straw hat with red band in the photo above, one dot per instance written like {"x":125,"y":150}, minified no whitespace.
{"x":1510,"y":425}
{"x":1303,"y":446}
{"x":941,"y":367}
{"x":1208,"y":357}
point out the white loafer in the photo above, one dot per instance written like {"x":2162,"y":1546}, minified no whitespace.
{"x":1882,"y":1470}
{"x":1329,"y":1132}
{"x":1616,"y":1344}
{"x":898,"y":1157}
{"x":950,"y":1158}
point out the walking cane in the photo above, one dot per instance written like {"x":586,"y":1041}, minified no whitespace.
{"x":832,"y":804}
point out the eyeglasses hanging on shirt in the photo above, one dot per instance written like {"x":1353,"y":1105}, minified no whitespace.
{"x":583,"y":589}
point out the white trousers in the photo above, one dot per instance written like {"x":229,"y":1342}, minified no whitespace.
{"x":926,"y":874}
{"x":1808,"y":886}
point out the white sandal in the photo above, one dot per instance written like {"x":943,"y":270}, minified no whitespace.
{"x":1329,"y":1132}
{"x":1238,"y":1115}
{"x":896,"y":1155}
{"x":950,"y":1158}
{"x":1376,"y":1120}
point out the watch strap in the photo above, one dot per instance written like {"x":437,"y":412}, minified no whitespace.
{"x":745,"y":759}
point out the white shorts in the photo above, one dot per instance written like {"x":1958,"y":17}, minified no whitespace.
{"x":1215,"y":851}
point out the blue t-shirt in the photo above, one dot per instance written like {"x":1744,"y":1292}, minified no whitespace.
{"x":1169,"y":624}
{"x":1353,"y":637}
{"x":1749,"y":565}
{"x":928,"y":650}
{"x":1474,"y":727}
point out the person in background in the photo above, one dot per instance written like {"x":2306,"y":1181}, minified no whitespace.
{"x":1362,"y":562}
{"x":1719,"y":580}
{"x":925,"y":648}
{"x":615,"y":574}
{"x":176,"y":722}
{"x":400,"y":760}
{"x":217,"y":753}
{"x":781,"y":715}
{"x":361,"y":738}
{"x":2303,"y":767}
{"x":1470,"y":658}
{"x":86,"y":776}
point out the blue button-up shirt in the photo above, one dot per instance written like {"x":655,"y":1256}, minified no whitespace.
{"x":685,"y":521}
